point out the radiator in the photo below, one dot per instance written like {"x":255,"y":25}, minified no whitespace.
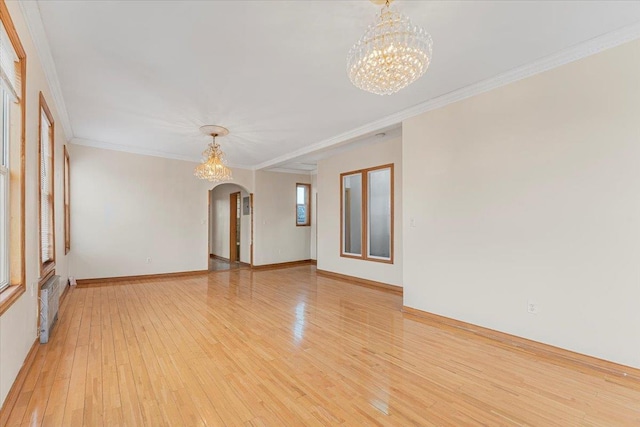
{"x":49,"y":299}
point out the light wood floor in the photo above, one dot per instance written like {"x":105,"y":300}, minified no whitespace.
{"x":287,"y":348}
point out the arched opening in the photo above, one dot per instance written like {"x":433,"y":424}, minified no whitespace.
{"x":230,"y":227}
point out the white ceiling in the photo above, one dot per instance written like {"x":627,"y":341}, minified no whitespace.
{"x":142,"y":76}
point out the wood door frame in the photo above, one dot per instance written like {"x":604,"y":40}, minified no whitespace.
{"x":234,"y":256}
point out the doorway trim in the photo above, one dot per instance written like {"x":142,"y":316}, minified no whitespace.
{"x":251,"y":236}
{"x":248,"y":229}
{"x":234,"y":255}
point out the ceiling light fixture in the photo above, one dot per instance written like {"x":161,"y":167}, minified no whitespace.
{"x":213,"y":167}
{"x":392,"y":53}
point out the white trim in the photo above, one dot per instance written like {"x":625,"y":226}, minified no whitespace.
{"x":143,"y":151}
{"x":31,"y":12}
{"x":574,"y":53}
{"x":131,"y":150}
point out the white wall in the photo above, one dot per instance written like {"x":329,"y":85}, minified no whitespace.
{"x":530,"y":192}
{"x":313,"y":250}
{"x":127,"y":207}
{"x":18,"y":323}
{"x":329,"y":171}
{"x":276,"y":237}
{"x":219,"y":222}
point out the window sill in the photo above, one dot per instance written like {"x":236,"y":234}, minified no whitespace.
{"x":46,"y":270}
{"x":9,"y":296}
{"x":364,"y":258}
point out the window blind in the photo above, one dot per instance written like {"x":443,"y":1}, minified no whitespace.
{"x":10,"y":74}
{"x":46,"y":244}
{"x":4,"y":227}
{"x":4,"y":193}
{"x":9,"y":65}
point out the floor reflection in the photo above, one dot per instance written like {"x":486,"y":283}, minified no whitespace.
{"x":298,"y":328}
{"x":216,"y":264}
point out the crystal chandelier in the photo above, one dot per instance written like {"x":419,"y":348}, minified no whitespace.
{"x":392,"y":53}
{"x":213,"y":167}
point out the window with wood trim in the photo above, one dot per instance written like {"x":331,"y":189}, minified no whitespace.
{"x":303,"y":205}
{"x":5,"y":208}
{"x":366,"y":214}
{"x":12,"y":164}
{"x":47,"y":219}
{"x":67,"y":202}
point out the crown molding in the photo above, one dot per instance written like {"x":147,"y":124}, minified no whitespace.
{"x":574,"y":53}
{"x":131,"y":150}
{"x":31,"y":12}
{"x":143,"y":151}
{"x":291,"y":171}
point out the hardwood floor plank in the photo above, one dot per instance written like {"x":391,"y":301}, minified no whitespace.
{"x":54,"y":413}
{"x":286,"y":347}
{"x":94,"y":385}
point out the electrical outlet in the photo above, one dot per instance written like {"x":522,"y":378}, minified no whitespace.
{"x":532,"y":307}
{"x":149,"y":260}
{"x":412,"y":222}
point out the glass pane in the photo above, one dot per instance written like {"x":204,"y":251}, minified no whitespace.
{"x":379,"y":208}
{"x":352,"y":214}
{"x":301,"y":214}
{"x":300,"y":196}
{"x":4,"y":235}
{"x":4,"y":116}
{"x":46,"y":208}
{"x":4,"y":192}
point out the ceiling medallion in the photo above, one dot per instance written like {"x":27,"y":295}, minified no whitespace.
{"x":213,"y":167}
{"x":392,"y":53}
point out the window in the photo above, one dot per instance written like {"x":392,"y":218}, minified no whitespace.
{"x":352,"y":214}
{"x":67,"y":203}
{"x":47,"y":220}
{"x":366,"y":214}
{"x":303,"y":213}
{"x":12,"y":188}
{"x":5,"y":212}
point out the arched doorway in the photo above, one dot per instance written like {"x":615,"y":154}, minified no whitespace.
{"x":230,"y":227}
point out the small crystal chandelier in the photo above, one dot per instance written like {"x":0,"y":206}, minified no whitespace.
{"x":213,"y":167}
{"x":392,"y":53}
